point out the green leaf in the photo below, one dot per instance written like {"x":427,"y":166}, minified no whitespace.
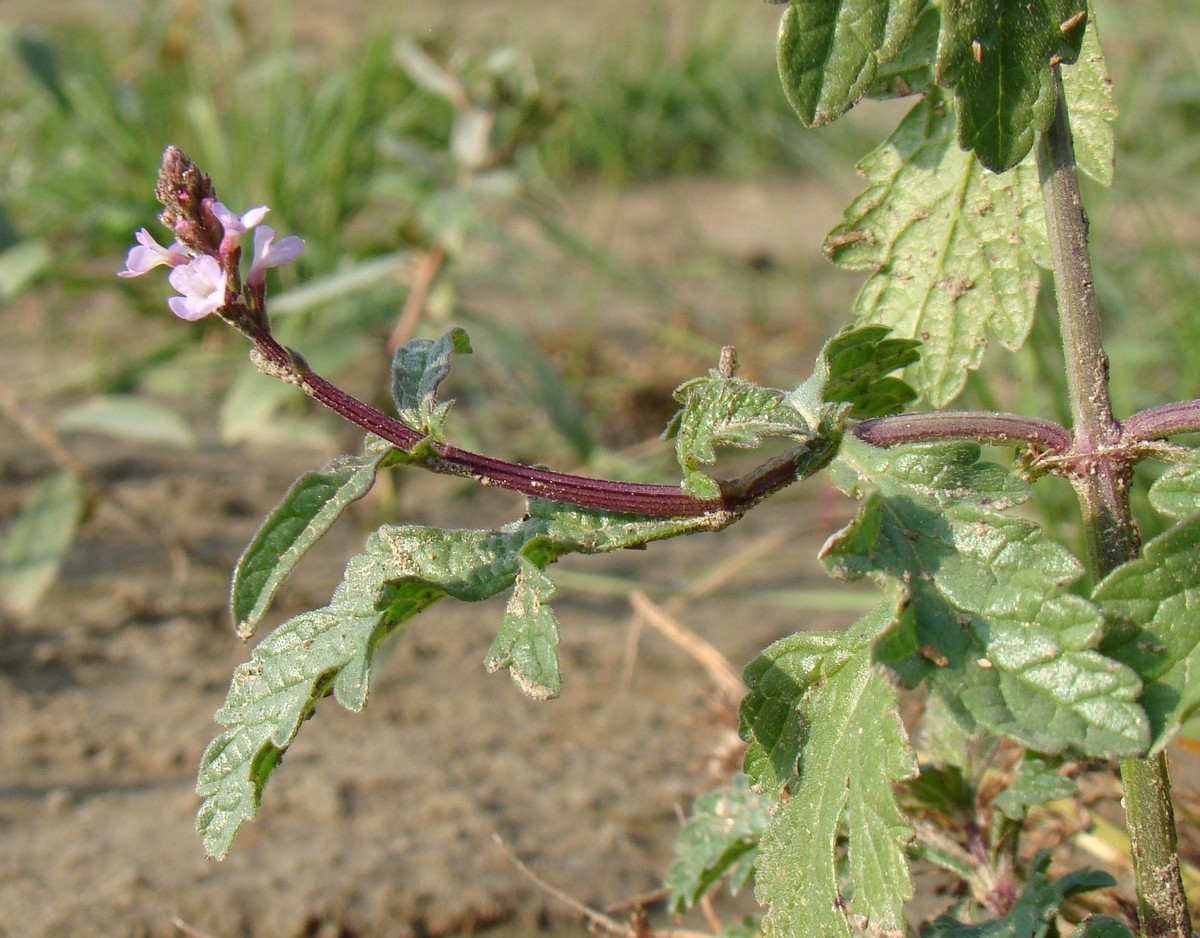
{"x":528,"y":640}
{"x":1102,"y":926}
{"x":1091,"y":108}
{"x":1176,"y":493}
{"x":127,"y":417}
{"x":1151,"y":605}
{"x":1037,"y":782}
{"x":952,"y":249}
{"x":21,"y":264}
{"x":842,"y":748}
{"x":722,"y":411}
{"x":36,"y":541}
{"x":40,"y":58}
{"x":418,"y":368}
{"x":314,"y":502}
{"x":1033,"y":914}
{"x":403,"y":571}
{"x":997,"y":56}
{"x":721,"y":837}
{"x":860,"y":363}
{"x":911,"y":72}
{"x":998,"y":635}
{"x":829,"y":51}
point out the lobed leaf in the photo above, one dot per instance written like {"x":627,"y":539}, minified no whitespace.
{"x":997,"y":635}
{"x":829,"y":51}
{"x":403,"y":571}
{"x":314,"y":502}
{"x":843,"y":749}
{"x":953,"y":249}
{"x":720,"y":838}
{"x":418,"y":368}
{"x":1033,"y":914}
{"x":722,"y":411}
{"x":527,"y":643}
{"x":860,"y":365}
{"x":1153,"y":628}
{"x":36,"y":542}
{"x":997,"y":55}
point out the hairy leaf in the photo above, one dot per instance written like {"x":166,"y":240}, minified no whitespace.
{"x":1151,"y":604}
{"x":403,"y":571}
{"x":1176,"y":493}
{"x":1091,"y":108}
{"x":1038,"y":781}
{"x":36,"y":542}
{"x":860,"y":365}
{"x":720,"y":410}
{"x":1032,"y":916}
{"x":997,"y":634}
{"x":721,"y":837}
{"x":841,"y":749}
{"x":418,"y":368}
{"x":829,"y":51}
{"x":314,"y":502}
{"x":528,"y":640}
{"x":997,"y":56}
{"x":951,"y":247}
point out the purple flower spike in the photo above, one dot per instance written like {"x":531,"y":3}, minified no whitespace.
{"x":202,"y":283}
{"x":149,"y":254}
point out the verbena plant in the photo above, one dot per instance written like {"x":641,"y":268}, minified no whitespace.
{"x":1019,"y":643}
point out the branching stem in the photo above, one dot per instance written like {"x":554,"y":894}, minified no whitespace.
{"x":1101,"y":477}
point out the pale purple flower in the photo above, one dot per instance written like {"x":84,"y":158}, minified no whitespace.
{"x":267,"y":254}
{"x":237,"y":225}
{"x":149,"y":254}
{"x":202,"y":283}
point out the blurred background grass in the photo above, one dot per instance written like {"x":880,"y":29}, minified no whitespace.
{"x":336,"y":117}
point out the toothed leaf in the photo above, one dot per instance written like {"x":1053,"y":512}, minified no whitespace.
{"x":843,"y":749}
{"x":951,"y":247}
{"x":1151,"y":604}
{"x":997,"y":55}
{"x":830,"y":50}
{"x":314,"y":502}
{"x":998,"y":635}
{"x":527,"y":643}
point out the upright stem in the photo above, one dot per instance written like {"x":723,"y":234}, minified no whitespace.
{"x":1102,"y":486}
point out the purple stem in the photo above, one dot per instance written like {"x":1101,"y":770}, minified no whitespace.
{"x":1160,"y":422}
{"x":982,"y":426}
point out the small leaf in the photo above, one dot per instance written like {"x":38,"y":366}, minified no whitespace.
{"x":314,"y":502}
{"x":527,"y":643}
{"x":418,"y":368}
{"x":1176,"y":493}
{"x":726,"y":411}
{"x":998,"y":635}
{"x":860,"y":363}
{"x":1033,"y":914}
{"x":1037,"y":782}
{"x":997,"y":56}
{"x":1089,"y":93}
{"x":952,"y":249}
{"x":36,"y":541}
{"x":127,"y":417}
{"x":721,"y":837}
{"x":852,"y":749}
{"x":829,"y":51}
{"x":1154,"y":629}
